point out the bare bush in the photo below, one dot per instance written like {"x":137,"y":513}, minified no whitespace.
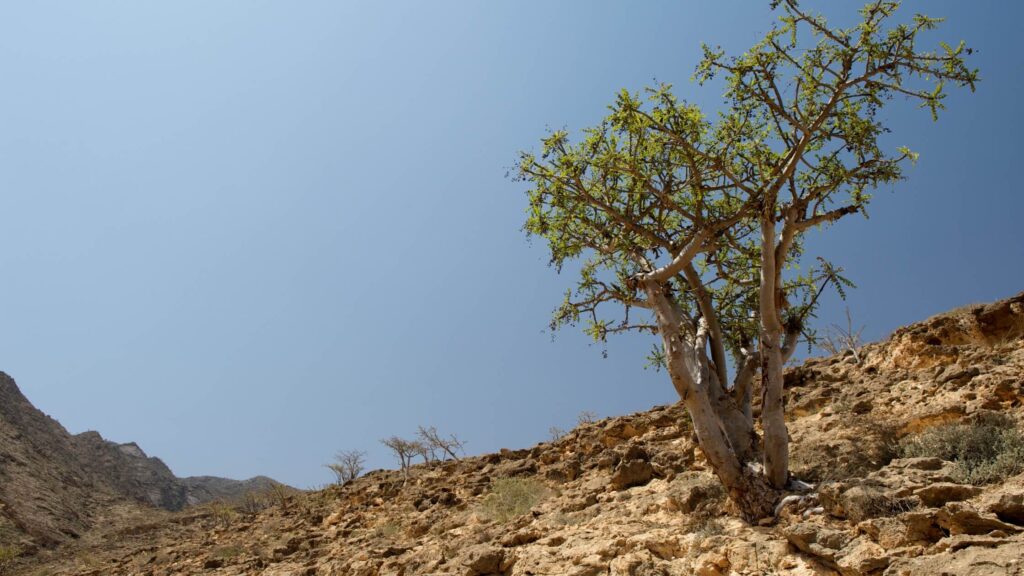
{"x":405,"y":451}
{"x":253,"y":502}
{"x":839,"y":340}
{"x":348,"y":465}
{"x":556,"y":433}
{"x":434,"y":443}
{"x":278,"y":493}
{"x":222,"y":512}
{"x":586,"y":417}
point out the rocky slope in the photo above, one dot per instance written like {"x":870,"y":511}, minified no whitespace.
{"x":633,"y":496}
{"x":54,"y":485}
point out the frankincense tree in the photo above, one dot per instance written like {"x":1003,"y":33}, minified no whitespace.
{"x":688,"y":226}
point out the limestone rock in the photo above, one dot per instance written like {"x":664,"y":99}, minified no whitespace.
{"x":962,"y":518}
{"x":935,"y":495}
{"x":483,"y":560}
{"x":631,"y":473}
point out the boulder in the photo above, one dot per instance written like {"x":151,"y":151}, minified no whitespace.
{"x":631,"y":473}
{"x":1009,"y":508}
{"x":962,"y":518}
{"x":484,"y":560}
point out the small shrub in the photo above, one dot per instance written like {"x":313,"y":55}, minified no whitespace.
{"x":704,"y":519}
{"x":986,"y":449}
{"x":223,"y":513}
{"x":253,"y":502}
{"x":8,"y":555}
{"x":278,"y":494}
{"x":511,"y":497}
{"x":839,"y":340}
{"x":556,"y":433}
{"x":387,"y":530}
{"x":889,"y":505}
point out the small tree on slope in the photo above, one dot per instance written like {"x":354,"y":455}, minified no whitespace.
{"x":691,"y":228}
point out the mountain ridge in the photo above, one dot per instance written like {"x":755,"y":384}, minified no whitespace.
{"x":53,"y":484}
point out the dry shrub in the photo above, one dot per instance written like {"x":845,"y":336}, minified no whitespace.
{"x":388,"y":529}
{"x":862,"y":500}
{"x":878,"y":504}
{"x":704,"y":519}
{"x":253,"y":502}
{"x":986,"y":449}
{"x":8,"y":555}
{"x":512,"y":497}
{"x":222,"y":512}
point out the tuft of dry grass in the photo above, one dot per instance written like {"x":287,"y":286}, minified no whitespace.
{"x":8,"y":555}
{"x":512,"y":497}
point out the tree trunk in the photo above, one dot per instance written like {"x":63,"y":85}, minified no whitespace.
{"x":692,"y":382}
{"x":743,"y":386}
{"x":738,"y":426}
{"x":722,"y":433}
{"x":755,"y":497}
{"x":773,"y":418}
{"x":748,"y":489}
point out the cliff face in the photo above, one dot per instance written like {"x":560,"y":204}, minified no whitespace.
{"x":54,"y":485}
{"x":633,"y":495}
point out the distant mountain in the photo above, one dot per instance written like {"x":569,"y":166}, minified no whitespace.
{"x":55,"y":485}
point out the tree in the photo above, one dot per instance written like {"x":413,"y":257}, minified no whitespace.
{"x":690,"y":227}
{"x":348,"y":465}
{"x":586,"y":417}
{"x":433,"y":443}
{"x":405,"y":451}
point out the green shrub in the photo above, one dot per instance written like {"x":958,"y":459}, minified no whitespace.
{"x":986,"y":449}
{"x":511,"y":497}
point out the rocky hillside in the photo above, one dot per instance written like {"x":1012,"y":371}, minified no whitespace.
{"x":912,"y":447}
{"x":54,"y":485}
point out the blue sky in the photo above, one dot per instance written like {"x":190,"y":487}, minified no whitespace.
{"x":249,"y":234}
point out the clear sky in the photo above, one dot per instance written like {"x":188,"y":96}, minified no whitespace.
{"x":249,"y":234}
